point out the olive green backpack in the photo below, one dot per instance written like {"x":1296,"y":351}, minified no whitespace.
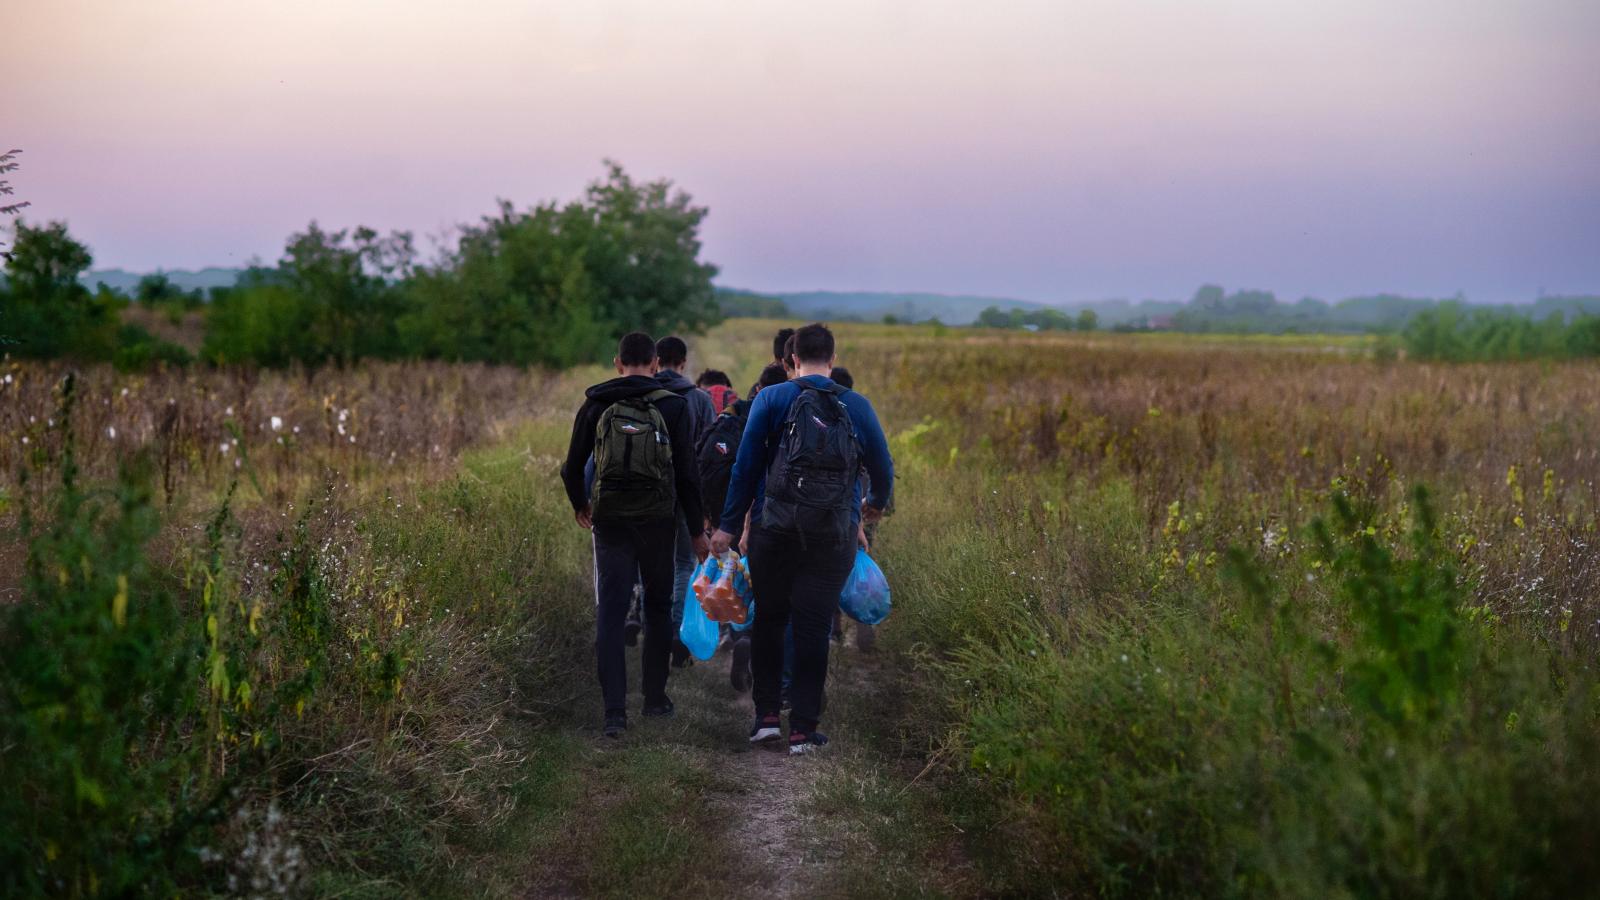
{"x":633,"y":478}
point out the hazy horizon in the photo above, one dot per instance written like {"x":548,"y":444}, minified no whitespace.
{"x":1038,"y":151}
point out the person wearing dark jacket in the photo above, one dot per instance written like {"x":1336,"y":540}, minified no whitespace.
{"x":627,"y":547}
{"x":672,"y":355}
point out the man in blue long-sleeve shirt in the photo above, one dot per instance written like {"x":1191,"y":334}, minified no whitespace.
{"x":796,"y":573}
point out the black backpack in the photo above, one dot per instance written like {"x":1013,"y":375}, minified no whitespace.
{"x":633,"y":477}
{"x":715,"y":458}
{"x":812,"y":477}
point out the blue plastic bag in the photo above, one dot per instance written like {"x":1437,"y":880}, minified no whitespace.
{"x":698,"y":632}
{"x":742,"y":583}
{"x":866,"y":592}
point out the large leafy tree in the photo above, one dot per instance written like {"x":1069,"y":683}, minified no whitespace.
{"x":44,"y":309}
{"x":333,"y":296}
{"x":551,"y":285}
{"x":555,"y":284}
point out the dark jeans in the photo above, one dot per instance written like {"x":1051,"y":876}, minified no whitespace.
{"x":799,"y":584}
{"x":626,"y":552}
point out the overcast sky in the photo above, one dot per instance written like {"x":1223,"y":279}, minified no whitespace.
{"x":1043,"y":150}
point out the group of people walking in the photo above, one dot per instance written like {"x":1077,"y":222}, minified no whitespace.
{"x":663,"y":471}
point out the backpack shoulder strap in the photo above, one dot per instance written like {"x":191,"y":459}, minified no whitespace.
{"x":657,"y":394}
{"x":838,"y":390}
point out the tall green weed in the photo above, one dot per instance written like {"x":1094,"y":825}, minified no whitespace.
{"x":97,"y":700}
{"x":1336,"y":723}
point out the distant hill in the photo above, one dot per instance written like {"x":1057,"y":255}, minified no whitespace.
{"x":125,"y":281}
{"x":872,"y":306}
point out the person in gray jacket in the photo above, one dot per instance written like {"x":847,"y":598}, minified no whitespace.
{"x":672,"y":356}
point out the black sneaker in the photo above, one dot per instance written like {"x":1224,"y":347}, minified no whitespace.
{"x":806,"y":741}
{"x":616,"y":724}
{"x":661,"y":709}
{"x":739,"y":672}
{"x":766,"y":728}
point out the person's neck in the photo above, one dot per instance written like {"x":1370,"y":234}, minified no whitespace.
{"x":635,"y":370}
{"x":805,"y":369}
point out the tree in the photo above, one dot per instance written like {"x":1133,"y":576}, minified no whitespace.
{"x":1209,"y":298}
{"x":555,"y":284}
{"x":551,"y":285}
{"x":1088,"y":320}
{"x":44,"y":308}
{"x":157,"y":290}
{"x":994,"y":317}
{"x":9,"y":209}
{"x":333,"y":296}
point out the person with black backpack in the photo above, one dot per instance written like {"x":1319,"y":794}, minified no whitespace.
{"x":804,"y":444}
{"x":641,"y":437}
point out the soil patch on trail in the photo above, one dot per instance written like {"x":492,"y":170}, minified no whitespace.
{"x":688,"y":807}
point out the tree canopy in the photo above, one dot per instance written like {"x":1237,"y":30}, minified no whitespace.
{"x":551,"y":285}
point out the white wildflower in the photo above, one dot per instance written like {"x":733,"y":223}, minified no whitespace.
{"x":111,"y":432}
{"x":224,"y":447}
{"x":276,"y":423}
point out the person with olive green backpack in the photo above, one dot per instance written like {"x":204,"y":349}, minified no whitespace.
{"x":642,"y":441}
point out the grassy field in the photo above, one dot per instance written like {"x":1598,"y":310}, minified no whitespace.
{"x":1189,"y":616}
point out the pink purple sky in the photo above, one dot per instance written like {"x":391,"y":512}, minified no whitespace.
{"x":1042,"y":150}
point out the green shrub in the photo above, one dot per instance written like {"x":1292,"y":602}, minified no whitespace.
{"x":138,"y":350}
{"x":1450,"y":331}
{"x":1351,"y":734}
{"x":96,"y":702}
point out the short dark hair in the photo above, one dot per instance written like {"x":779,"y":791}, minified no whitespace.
{"x":780,"y":343}
{"x":788,"y":353}
{"x":813,"y":344}
{"x":636,"y":349}
{"x":842,"y":377}
{"x":772,"y":375}
{"x":672,"y":351}
{"x":713,"y":376}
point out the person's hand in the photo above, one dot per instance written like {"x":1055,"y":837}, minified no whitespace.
{"x":720,"y":542}
{"x":585,"y":517}
{"x":702,"y":547}
{"x":861,"y":537}
{"x":870,"y":515}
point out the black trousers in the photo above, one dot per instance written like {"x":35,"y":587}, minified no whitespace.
{"x":799,"y":584}
{"x":626,"y":553}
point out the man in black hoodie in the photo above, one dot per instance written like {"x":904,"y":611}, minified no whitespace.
{"x":628,"y":547}
{"x":672,"y":355}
